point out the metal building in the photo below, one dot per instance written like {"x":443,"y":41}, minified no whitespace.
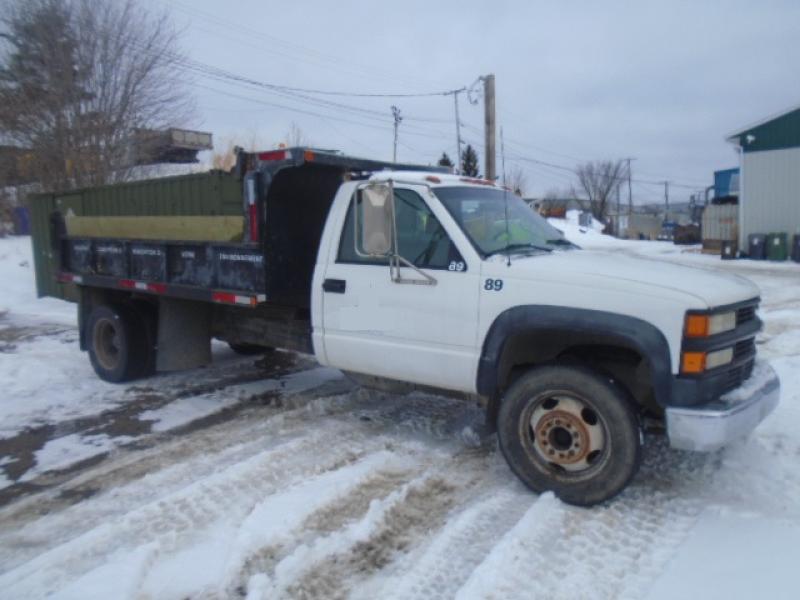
{"x":769,"y":159}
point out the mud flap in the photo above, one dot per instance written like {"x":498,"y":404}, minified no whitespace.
{"x":184,"y":334}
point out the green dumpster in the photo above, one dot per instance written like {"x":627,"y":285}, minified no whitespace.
{"x":777,"y":246}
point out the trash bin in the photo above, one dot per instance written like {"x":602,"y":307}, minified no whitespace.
{"x":756,"y":246}
{"x":777,"y":246}
{"x":796,"y":247}
{"x":22,"y":220}
{"x":729,"y":250}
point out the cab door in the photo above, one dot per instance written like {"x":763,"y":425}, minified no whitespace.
{"x":419,"y":330}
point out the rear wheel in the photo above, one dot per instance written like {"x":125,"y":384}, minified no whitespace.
{"x":118,"y":346}
{"x":572,"y":431}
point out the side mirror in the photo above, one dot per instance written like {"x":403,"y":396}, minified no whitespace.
{"x":377,"y":211}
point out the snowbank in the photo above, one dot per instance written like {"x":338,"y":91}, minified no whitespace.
{"x":18,"y":291}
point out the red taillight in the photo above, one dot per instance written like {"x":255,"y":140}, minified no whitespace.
{"x":275,"y":155}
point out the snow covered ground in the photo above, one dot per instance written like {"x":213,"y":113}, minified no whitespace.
{"x":274,"y":477}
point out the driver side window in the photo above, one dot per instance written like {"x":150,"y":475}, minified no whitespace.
{"x":421,"y":239}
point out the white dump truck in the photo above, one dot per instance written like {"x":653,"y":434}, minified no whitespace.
{"x":418,"y":277}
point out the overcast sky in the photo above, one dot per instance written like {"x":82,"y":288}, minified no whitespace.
{"x":663,"y":82}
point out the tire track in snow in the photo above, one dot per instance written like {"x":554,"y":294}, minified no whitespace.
{"x":335,"y":564}
{"x":459,"y":547}
{"x":339,"y":498}
{"x":173,"y":521}
{"x":254,"y":430}
{"x":558,"y":551}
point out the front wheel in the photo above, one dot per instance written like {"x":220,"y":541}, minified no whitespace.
{"x":571,"y":431}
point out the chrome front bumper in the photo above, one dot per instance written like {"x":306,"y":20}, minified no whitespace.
{"x":733,"y":416}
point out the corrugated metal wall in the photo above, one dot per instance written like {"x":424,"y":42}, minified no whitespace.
{"x":720,"y":222}
{"x":770,"y":199}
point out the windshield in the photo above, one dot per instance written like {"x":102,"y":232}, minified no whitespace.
{"x":481,"y":214}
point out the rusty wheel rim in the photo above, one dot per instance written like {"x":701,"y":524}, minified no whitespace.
{"x":566,"y":433}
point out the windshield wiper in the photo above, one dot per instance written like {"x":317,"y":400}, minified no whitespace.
{"x":560,"y":242}
{"x":518,"y":247}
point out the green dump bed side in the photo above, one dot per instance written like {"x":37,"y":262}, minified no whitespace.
{"x":208,"y":194}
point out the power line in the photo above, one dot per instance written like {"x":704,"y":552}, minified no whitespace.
{"x":306,"y":95}
{"x":222,"y":75}
{"x":312,"y":113}
{"x":294,"y":51}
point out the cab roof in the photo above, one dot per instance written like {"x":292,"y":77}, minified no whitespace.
{"x":430,"y":179}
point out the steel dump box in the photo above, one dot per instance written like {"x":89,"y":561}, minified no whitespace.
{"x":245,"y":237}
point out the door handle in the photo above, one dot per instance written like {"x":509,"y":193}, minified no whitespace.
{"x":334,"y":286}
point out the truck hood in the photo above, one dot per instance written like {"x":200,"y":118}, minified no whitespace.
{"x":607,"y":270}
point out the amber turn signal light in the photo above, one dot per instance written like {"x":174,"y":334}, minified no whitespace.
{"x":697,"y":325}
{"x":693,"y":362}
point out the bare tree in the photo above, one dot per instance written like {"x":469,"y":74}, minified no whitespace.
{"x":225,"y":158}
{"x":224,"y":155}
{"x":517,"y":181}
{"x":296,"y":136}
{"x":84,"y":82}
{"x":599,"y":181}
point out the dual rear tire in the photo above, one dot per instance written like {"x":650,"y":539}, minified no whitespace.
{"x":120,"y":342}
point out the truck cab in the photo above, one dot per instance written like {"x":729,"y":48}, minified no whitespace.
{"x":454,"y":283}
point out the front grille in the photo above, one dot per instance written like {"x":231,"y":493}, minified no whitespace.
{"x":745,"y":314}
{"x":744,"y":349}
{"x":738,"y":375}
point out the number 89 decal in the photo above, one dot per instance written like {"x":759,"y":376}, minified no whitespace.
{"x":493,"y":285}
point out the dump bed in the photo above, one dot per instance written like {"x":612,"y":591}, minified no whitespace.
{"x":203,"y":202}
{"x":245,"y":237}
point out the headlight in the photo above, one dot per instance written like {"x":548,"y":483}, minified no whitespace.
{"x":693,"y":363}
{"x":706,"y":325}
{"x":719,"y":358}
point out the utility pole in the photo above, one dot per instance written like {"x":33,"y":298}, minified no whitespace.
{"x":666,"y":200}
{"x":630,"y":193}
{"x":489,"y":125}
{"x":397,"y":119}
{"x":458,"y":132}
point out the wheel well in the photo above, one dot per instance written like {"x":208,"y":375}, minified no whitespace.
{"x":605,"y":354}
{"x":144,"y":306}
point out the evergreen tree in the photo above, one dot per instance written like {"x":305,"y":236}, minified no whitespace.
{"x":445,"y":161}
{"x":469,"y":162}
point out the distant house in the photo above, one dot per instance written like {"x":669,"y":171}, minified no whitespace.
{"x":169,"y":145}
{"x":769,"y":179}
